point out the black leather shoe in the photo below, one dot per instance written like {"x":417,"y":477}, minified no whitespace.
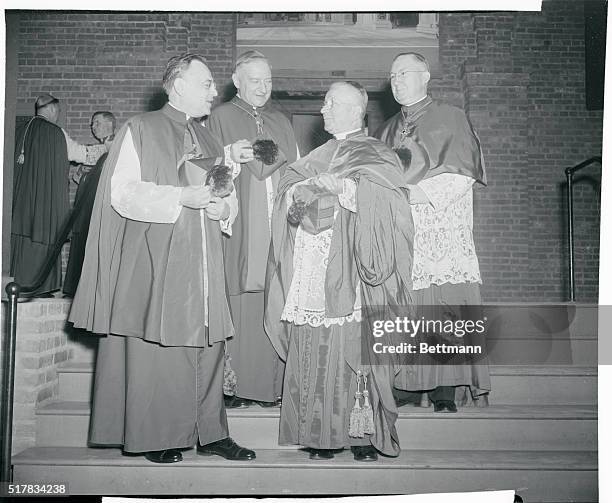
{"x":227,"y":449}
{"x":235,"y":402}
{"x":166,"y":456}
{"x":321,"y":454}
{"x":445,"y":406}
{"x":268,"y":405}
{"x":364,"y":453}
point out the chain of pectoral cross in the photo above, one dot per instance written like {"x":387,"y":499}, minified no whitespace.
{"x":255,"y":114}
{"x":409,"y":124}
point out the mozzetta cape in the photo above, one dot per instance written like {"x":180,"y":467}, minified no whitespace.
{"x":247,"y":251}
{"x":372,"y":245}
{"x":146,"y":279}
{"x":443,"y":141}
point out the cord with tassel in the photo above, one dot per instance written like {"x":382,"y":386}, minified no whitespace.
{"x":356,"y":421}
{"x":368,"y":413}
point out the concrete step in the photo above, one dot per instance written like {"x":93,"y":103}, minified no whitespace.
{"x":511,"y":384}
{"x":498,"y":427}
{"x":537,"y":476}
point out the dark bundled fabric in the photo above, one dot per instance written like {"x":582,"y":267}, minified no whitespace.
{"x":84,"y":201}
{"x":372,"y":246}
{"x":145,"y":279}
{"x":439,"y":139}
{"x":40,"y":200}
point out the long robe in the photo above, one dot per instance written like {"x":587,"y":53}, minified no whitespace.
{"x":259,"y":370}
{"x":40,"y":201}
{"x":84,"y":201}
{"x":159,"y":369}
{"x":370,"y":247}
{"x":440,"y":140}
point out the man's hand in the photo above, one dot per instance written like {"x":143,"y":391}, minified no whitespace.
{"x":218,"y":209}
{"x":329,"y":182}
{"x":242,"y":151}
{"x":195,"y":196}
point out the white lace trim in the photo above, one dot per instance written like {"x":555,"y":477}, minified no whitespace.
{"x":306,"y":299}
{"x":444,"y":250}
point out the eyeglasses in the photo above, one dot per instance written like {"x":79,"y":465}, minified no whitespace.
{"x":332,"y":102}
{"x":403,"y":74}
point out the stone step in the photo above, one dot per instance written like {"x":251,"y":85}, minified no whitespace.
{"x":498,"y":427}
{"x":538,"y":476}
{"x":511,"y":384}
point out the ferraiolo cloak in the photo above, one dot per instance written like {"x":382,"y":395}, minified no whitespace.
{"x":40,"y":200}
{"x":144,"y":279}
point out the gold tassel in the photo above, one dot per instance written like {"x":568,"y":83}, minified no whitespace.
{"x":356,"y":419}
{"x":368,"y":413}
{"x":21,"y":158}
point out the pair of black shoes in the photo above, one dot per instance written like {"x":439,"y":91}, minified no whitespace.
{"x":236,"y":402}
{"x":360,"y":453}
{"x":225,"y":448}
{"x":445,"y":406}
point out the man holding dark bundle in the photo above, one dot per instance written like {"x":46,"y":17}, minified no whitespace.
{"x":348,"y":249}
{"x":153,"y":280}
{"x":258,"y":368}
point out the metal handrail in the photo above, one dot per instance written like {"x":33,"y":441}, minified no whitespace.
{"x":569,"y":174}
{"x":8,"y":380}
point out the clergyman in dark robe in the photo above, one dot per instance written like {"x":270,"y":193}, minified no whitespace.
{"x":442,"y":161}
{"x":250,"y":114}
{"x":153,"y":283}
{"x":103,"y":128}
{"x":321,"y":279}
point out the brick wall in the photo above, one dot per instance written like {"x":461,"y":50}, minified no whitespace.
{"x":520,"y":77}
{"x":42,"y":345}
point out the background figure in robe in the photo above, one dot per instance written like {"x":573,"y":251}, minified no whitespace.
{"x":103,"y":128}
{"x":43,"y":151}
{"x":250,"y":114}
{"x":442,"y":160}
{"x":319,"y":284}
{"x":153,"y":281}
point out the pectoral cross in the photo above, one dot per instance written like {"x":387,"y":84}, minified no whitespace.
{"x":407,"y":130}
{"x":258,"y":122}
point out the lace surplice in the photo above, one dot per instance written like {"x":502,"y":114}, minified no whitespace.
{"x":444,"y":249}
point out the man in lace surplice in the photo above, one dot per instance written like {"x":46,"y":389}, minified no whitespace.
{"x":319,"y":283}
{"x":442,"y":161}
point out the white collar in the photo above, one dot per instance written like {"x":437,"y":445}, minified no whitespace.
{"x":173,"y":106}
{"x":342,"y":136}
{"x":415,"y":102}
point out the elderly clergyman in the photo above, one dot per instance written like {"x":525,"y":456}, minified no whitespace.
{"x":321,"y":274}
{"x":250,"y":114}
{"x":442,"y":161}
{"x":153,"y":281}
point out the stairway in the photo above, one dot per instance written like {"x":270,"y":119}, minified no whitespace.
{"x":538,"y":437}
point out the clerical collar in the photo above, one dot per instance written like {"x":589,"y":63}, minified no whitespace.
{"x":240,"y":101}
{"x":175,"y":114}
{"x":408,"y":109}
{"x":348,"y":134}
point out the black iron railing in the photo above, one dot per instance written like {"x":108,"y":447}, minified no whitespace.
{"x":8,"y":381}
{"x":569,"y":173}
